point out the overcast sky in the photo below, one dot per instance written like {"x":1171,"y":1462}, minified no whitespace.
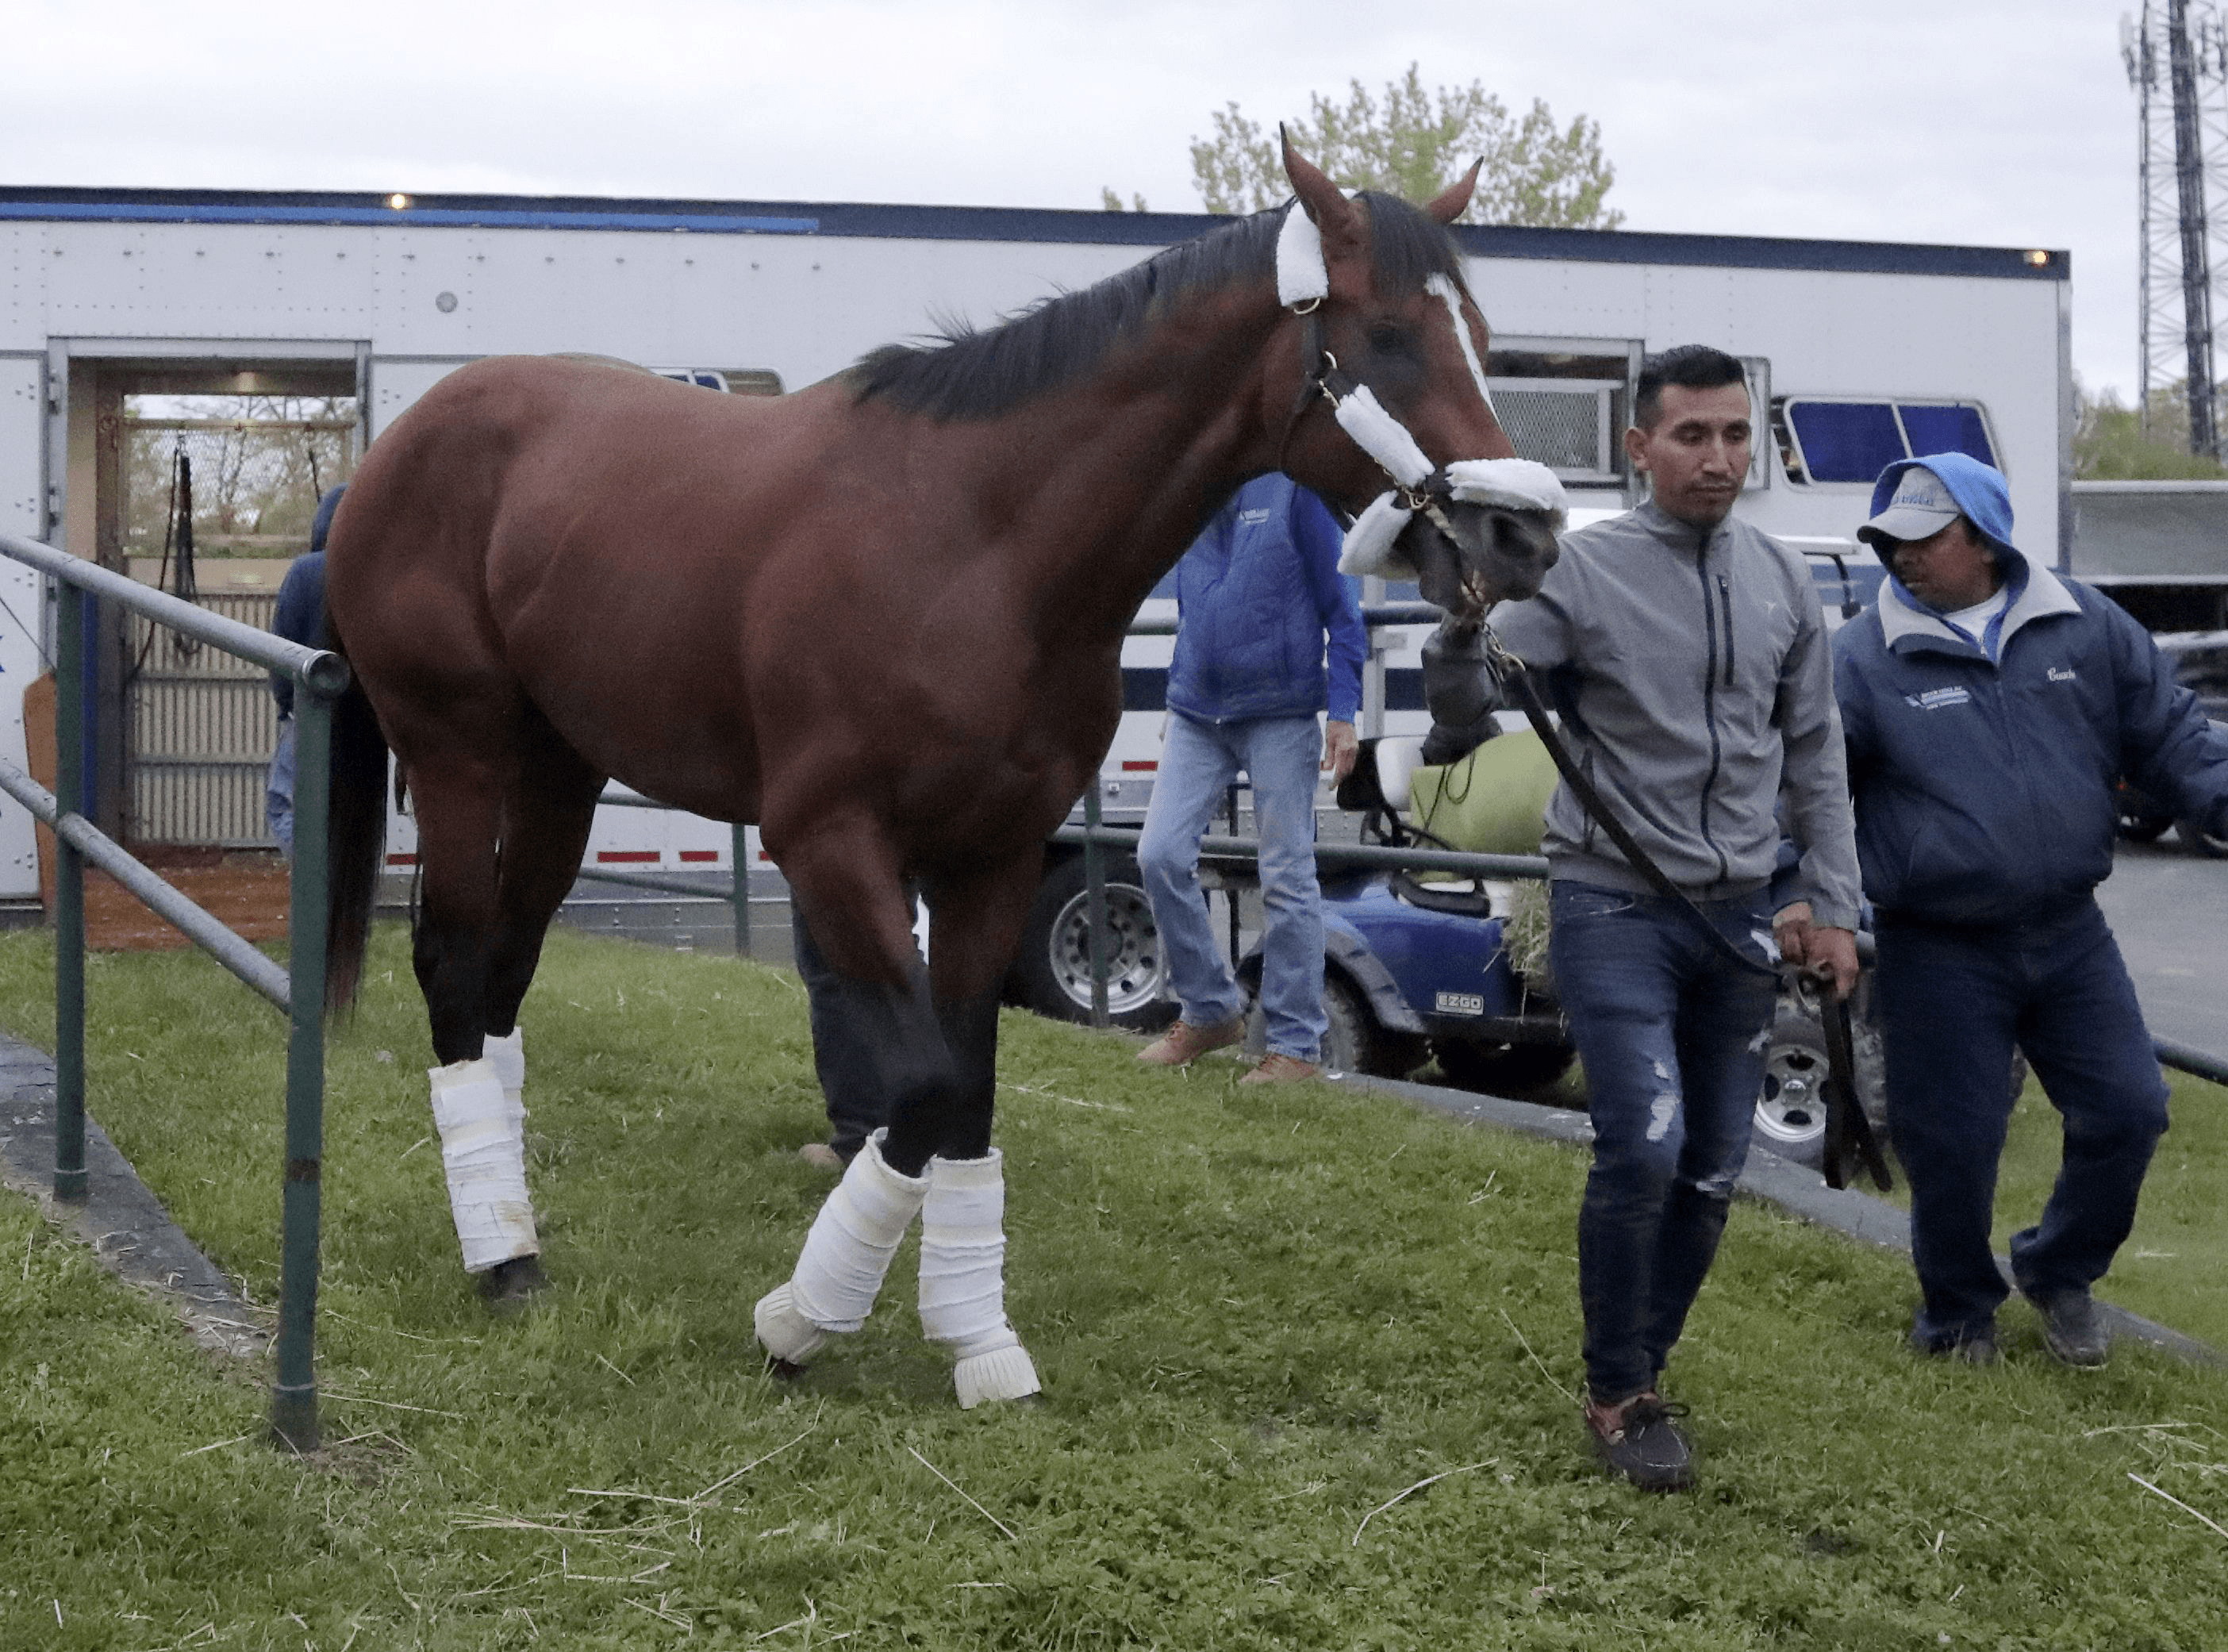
{"x":1988,"y":122}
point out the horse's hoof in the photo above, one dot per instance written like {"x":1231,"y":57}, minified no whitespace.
{"x":783,"y":1370}
{"x":510,"y":1285}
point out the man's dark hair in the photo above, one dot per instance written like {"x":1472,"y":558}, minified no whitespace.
{"x":1696,"y":366}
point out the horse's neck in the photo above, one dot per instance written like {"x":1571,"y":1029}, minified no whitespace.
{"x":1127,"y":468}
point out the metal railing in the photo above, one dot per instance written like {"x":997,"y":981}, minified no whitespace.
{"x":298,"y":990}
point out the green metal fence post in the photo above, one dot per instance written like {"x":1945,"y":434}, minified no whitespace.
{"x":1094,"y":884}
{"x":69,"y":896}
{"x":741,"y":896}
{"x":294,"y":1394}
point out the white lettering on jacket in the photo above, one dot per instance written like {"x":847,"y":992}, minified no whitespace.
{"x":2056,"y":676}
{"x":1935,"y":698}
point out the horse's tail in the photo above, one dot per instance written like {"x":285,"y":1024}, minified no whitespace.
{"x":355,"y":840}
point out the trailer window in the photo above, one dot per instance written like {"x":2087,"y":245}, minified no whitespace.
{"x":1852,"y":442}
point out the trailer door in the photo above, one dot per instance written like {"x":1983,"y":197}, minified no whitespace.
{"x":22,"y":386}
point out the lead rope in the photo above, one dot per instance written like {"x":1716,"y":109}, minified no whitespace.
{"x":1848,"y":1131}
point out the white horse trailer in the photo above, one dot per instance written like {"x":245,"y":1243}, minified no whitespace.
{"x":1860,"y":352}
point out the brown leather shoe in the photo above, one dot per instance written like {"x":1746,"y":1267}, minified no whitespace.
{"x":821,"y":1156}
{"x":1278,"y":1068}
{"x":1184,"y":1043}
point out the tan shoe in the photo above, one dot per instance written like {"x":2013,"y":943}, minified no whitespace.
{"x":821,"y":1156}
{"x":1184,"y":1043}
{"x":1278,"y":1068}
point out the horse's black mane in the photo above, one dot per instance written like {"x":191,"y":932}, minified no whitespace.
{"x":967,"y":373}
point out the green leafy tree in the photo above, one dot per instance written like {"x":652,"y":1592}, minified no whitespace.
{"x":1414,"y":144}
{"x":2111,"y":445}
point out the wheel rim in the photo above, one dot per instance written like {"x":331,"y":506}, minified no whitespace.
{"x":1790,"y":1110}
{"x":1134,"y":966}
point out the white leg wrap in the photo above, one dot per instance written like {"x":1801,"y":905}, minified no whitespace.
{"x":483,"y":1150}
{"x":840,"y":1270}
{"x":962,"y":1279}
{"x":508,"y":1055}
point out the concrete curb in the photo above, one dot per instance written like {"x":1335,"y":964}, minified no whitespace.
{"x":1795,"y":1189}
{"x":121,"y":1219}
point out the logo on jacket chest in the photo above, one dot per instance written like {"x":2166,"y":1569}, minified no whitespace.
{"x":1935,"y":698}
{"x":2060,"y":674}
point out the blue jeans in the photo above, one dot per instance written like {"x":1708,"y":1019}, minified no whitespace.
{"x":1672,"y":1032}
{"x":1198,"y":762}
{"x":278,"y":788}
{"x":1952,"y":1003}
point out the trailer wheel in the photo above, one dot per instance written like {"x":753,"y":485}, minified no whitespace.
{"x":1052,"y":973}
{"x":1516,"y":1070}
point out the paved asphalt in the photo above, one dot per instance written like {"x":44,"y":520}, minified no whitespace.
{"x":2168,"y":906}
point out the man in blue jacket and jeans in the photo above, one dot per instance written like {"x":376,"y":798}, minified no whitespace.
{"x":1259,"y":591}
{"x":1989,"y":707}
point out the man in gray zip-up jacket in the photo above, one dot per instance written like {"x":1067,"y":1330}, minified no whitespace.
{"x":1685,"y":654}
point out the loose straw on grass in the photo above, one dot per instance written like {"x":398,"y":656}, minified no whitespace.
{"x":972,"y":1503}
{"x":2177,"y":1503}
{"x":1537,"y":1361}
{"x":1433,"y":1480}
{"x":769,"y":1457}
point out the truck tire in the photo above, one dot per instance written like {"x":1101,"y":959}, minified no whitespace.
{"x":1790,"y":1108}
{"x":1051,"y":974}
{"x":1512,"y":1070}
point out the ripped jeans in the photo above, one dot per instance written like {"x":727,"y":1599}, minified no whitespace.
{"x":1671,"y":1032}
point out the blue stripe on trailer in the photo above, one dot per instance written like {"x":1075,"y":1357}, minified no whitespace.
{"x":898,"y":221}
{"x":414,"y":217}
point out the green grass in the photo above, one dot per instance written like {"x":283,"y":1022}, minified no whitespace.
{"x":2171,"y":1267}
{"x":1260,"y":1318}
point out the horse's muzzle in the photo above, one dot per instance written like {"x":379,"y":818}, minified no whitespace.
{"x":1495,"y":554}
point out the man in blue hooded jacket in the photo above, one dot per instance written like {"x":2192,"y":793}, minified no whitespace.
{"x":1259,"y":591}
{"x":1989,"y":707}
{"x":298,"y":618}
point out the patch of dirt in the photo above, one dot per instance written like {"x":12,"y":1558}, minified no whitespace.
{"x":245,"y":890}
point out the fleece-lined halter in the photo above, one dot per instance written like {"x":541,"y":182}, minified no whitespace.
{"x":1303,"y":283}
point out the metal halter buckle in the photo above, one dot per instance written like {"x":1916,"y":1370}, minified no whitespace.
{"x":1502,"y":663}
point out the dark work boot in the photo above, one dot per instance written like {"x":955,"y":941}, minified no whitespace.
{"x":2073,"y":1327}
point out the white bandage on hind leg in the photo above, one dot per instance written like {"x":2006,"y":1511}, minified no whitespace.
{"x":962,"y":1279}
{"x":846,"y":1255}
{"x":483,"y":1151}
{"x":508,"y":1054}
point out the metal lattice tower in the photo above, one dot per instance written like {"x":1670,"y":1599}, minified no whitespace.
{"x":2177,"y":60}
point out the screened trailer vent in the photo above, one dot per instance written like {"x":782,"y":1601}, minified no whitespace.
{"x":1571,"y":426}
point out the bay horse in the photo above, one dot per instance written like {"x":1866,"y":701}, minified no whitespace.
{"x":882,"y":617}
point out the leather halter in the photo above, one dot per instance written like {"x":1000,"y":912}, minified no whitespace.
{"x":1322,"y":378}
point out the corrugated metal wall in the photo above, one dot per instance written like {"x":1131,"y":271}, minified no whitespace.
{"x":203,"y":727}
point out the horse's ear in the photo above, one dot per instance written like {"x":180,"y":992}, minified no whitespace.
{"x":1334,"y":215}
{"x":1453,"y":201}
